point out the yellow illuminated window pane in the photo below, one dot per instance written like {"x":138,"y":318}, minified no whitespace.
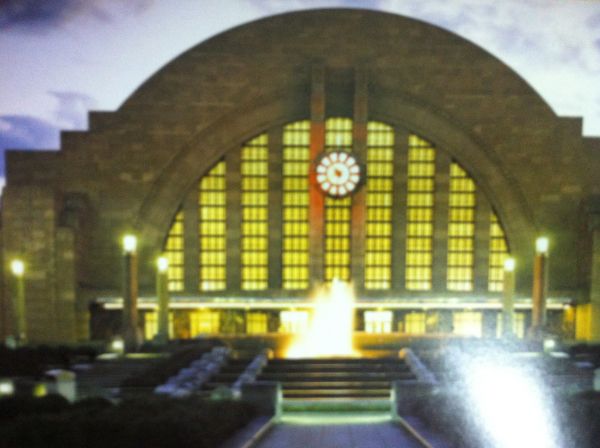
{"x":212,"y":229}
{"x":414,"y":323}
{"x":204,"y":322}
{"x":338,"y":135}
{"x":467,"y":323}
{"x":173,"y":251}
{"x":255,"y":214}
{"x":498,"y":252}
{"x":256,"y":323}
{"x":461,"y":230}
{"x":379,"y":187}
{"x":151,"y":325}
{"x":419,"y":213}
{"x":295,"y":166}
{"x":378,"y":321}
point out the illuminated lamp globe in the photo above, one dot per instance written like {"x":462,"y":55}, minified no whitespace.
{"x":17,"y":267}
{"x":129,"y":243}
{"x":541,"y":245}
{"x":162,"y":264}
{"x":509,"y":264}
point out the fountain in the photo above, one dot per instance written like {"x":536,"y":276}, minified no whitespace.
{"x":330,"y":331}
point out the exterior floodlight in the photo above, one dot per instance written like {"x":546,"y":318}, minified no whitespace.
{"x":509,"y":264}
{"x":7,"y":387}
{"x":541,"y":245}
{"x":117,"y":345}
{"x":18,"y":268}
{"x":162,"y":263}
{"x":129,"y":243}
{"x":549,"y":344}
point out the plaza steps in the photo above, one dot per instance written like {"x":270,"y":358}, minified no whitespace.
{"x":336,"y":378}
{"x":104,"y":377}
{"x":228,"y":374}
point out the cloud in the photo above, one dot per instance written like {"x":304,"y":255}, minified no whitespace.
{"x":25,"y":132}
{"x":73,"y":108}
{"x":36,"y":12}
{"x":36,"y":15}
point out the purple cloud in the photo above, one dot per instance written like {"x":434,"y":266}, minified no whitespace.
{"x":73,"y":108}
{"x":26,"y":132}
{"x":35,"y":13}
{"x":42,"y":14}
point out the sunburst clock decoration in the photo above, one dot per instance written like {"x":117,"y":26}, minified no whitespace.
{"x":338,"y":173}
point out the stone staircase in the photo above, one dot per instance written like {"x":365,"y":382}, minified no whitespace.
{"x":336,"y":378}
{"x":104,"y":377}
{"x":228,"y":374}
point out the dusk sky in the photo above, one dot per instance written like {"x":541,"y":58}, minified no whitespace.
{"x":60,"y":59}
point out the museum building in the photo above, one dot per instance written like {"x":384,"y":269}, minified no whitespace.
{"x":302,"y":148}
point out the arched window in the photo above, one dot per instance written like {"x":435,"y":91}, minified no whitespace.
{"x":423,"y":227}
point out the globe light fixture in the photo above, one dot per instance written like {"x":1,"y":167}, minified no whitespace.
{"x":541,"y":245}
{"x":17,"y":267}
{"x":509,"y":264}
{"x":162,"y":264}
{"x":129,"y":243}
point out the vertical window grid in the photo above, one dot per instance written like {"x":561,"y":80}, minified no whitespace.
{"x":461,"y":230}
{"x":255,"y":214}
{"x":498,"y":252}
{"x":414,"y":323}
{"x":338,"y":135}
{"x":380,"y":173}
{"x":173,"y":251}
{"x":296,"y":159}
{"x":256,"y":323}
{"x":204,"y":322}
{"x":212,"y":214}
{"x":419,"y":214}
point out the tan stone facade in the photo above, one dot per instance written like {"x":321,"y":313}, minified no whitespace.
{"x":65,"y":212}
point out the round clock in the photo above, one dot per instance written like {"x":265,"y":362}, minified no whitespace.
{"x":338,"y":173}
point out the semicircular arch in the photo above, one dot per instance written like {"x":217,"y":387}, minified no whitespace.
{"x":196,"y":156}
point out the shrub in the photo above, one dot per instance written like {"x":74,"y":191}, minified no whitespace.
{"x":153,"y":422}
{"x":16,"y":406}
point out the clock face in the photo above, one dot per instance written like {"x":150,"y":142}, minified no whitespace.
{"x":338,"y":173}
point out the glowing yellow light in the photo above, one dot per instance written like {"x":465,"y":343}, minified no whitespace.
{"x":330,"y":331}
{"x":118,"y":345}
{"x":17,"y":267}
{"x":541,"y":245}
{"x":129,"y":243}
{"x":509,"y":264}
{"x":40,"y":390}
{"x":162,"y":263}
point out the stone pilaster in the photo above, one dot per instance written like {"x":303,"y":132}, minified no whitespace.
{"x":316,"y":198}
{"x":359,"y":206}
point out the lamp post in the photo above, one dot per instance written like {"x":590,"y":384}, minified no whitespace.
{"x":508,"y":298}
{"x":130,"y":293}
{"x":17,"y":268}
{"x":540,"y":282}
{"x":162,"y":293}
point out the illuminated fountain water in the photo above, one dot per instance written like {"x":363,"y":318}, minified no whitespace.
{"x":331,"y":328}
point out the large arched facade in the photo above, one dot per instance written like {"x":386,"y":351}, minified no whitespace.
{"x":463,"y":161}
